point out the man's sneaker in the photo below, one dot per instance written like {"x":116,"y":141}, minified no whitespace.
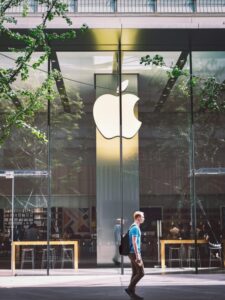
{"x":130,"y":293}
{"x":133,"y":295}
{"x":136,"y":297}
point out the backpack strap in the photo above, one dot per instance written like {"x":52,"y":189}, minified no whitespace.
{"x":132,"y":226}
{"x":129,"y":231}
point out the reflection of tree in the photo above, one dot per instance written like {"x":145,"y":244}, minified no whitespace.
{"x":171,"y":126}
{"x":28,"y":103}
{"x":210,"y":91}
{"x":27,"y":87}
{"x":66,"y":153}
{"x":210,"y":139}
{"x":168,"y":156}
{"x":67,"y":136}
{"x":23,"y":151}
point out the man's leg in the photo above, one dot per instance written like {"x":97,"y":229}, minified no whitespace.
{"x":137,"y":272}
{"x":134,"y":271}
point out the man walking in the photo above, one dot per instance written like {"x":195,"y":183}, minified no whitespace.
{"x":135,"y":254}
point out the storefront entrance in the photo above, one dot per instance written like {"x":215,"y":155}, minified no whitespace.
{"x":104,"y":167}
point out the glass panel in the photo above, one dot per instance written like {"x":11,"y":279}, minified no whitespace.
{"x":6,"y":107}
{"x":72,"y":5}
{"x":163,"y":156}
{"x":209,"y":154}
{"x":33,"y":5}
{"x":208,"y":6}
{"x":79,"y":190}
{"x":133,"y":6}
{"x":30,"y":225}
{"x":93,"y":6}
{"x":184,"y":6}
{"x":23,"y":152}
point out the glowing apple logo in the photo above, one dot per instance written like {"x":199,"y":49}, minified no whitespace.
{"x":106,"y":113}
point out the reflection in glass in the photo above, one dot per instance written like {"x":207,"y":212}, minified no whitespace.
{"x":163,"y":153}
{"x":209,"y":158}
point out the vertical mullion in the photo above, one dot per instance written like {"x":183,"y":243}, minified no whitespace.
{"x":13,"y":263}
{"x":49,"y":176}
{"x":192,"y":162}
{"x":121,"y":143}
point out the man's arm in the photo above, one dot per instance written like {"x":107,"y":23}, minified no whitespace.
{"x":134,"y":242}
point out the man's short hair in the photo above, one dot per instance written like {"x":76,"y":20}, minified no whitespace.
{"x":138,"y":214}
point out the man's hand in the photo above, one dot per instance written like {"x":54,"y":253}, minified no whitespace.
{"x":138,"y":256}
{"x":138,"y":259}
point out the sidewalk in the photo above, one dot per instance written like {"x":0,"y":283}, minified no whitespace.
{"x":111,"y":286}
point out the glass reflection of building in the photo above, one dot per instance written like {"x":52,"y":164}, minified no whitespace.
{"x":93,"y":184}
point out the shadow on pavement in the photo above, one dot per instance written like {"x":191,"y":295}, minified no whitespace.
{"x":215,"y":292}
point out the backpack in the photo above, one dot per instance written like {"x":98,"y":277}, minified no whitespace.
{"x":124,"y":248}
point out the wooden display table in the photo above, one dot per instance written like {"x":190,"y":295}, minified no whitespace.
{"x":42,"y":243}
{"x":166,"y":242}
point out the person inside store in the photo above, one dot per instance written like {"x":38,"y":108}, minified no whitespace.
{"x":184,"y":231}
{"x":117,"y":239}
{"x":32,"y":233}
{"x":18,"y":233}
{"x":68,"y":233}
{"x":55,"y":231}
{"x":174,"y":232}
{"x":211,"y":232}
{"x":201,"y":231}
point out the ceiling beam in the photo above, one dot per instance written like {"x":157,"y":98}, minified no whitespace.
{"x":60,"y":84}
{"x":171,"y":82}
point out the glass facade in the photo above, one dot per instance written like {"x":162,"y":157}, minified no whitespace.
{"x":170,"y":165}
